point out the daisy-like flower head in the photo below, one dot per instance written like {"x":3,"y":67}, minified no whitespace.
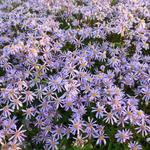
{"x":13,"y":145}
{"x":143,"y":128}
{"x":101,"y":138}
{"x":123,"y":136}
{"x":18,"y":135}
{"x":134,"y":146}
{"x":58,"y":132}
{"x":110,"y":117}
{"x":76,"y":125}
{"x":52,"y":143}
{"x":90,"y":128}
{"x":99,"y":109}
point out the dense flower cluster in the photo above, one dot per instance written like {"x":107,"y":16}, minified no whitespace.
{"x":76,"y":70}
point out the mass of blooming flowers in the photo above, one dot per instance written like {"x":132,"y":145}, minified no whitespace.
{"x":74,"y":72}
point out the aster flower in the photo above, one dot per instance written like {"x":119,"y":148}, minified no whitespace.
{"x":68,"y":103}
{"x":122,"y":120}
{"x":76,"y":125}
{"x":16,"y":102}
{"x":13,"y":145}
{"x":146,"y":92}
{"x":109,"y":117}
{"x":132,"y":101}
{"x":67,"y":132}
{"x":58,"y":101}
{"x":83,"y":63}
{"x":58,"y":132}
{"x":18,"y":135}
{"x":49,"y":93}
{"x":99,"y":109}
{"x":79,"y":141}
{"x":44,"y":104}
{"x":46,"y":129}
{"x":80,"y":111}
{"x":134,"y":146}
{"x":129,"y":112}
{"x":72,"y":86}
{"x":7,"y":66}
{"x":143,"y":128}
{"x":101,"y":138}
{"x":56,"y":83}
{"x":71,"y":70}
{"x":114,"y":62}
{"x":6,"y":110}
{"x":29,"y":112}
{"x":21,"y":84}
{"x":94,"y":94}
{"x":39,"y":92}
{"x":40,"y":123}
{"x":10,"y":123}
{"x":123,"y":135}
{"x":139,"y":114}
{"x":100,"y":129}
{"x":90,"y":128}
{"x":12,"y":92}
{"x":115,"y":102}
{"x":52,"y":143}
{"x":29,"y":97}
{"x":110,"y":90}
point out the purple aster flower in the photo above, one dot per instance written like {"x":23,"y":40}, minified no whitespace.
{"x":114,"y":61}
{"x":101,"y":138}
{"x":132,"y":101}
{"x":56,"y":83}
{"x":49,"y":93}
{"x":129,"y":112}
{"x":94,"y":94}
{"x":58,"y":131}
{"x":121,"y":120}
{"x":79,"y":111}
{"x":100,"y":129}
{"x":29,"y":112}
{"x":58,"y":101}
{"x":99,"y":109}
{"x":46,"y":129}
{"x":68,"y":103}
{"x":29,"y":97}
{"x":52,"y":143}
{"x":67,"y":132}
{"x":10,"y":123}
{"x":13,"y":145}
{"x":123,"y":135}
{"x":18,"y":134}
{"x":77,"y":125}
{"x":128,"y":81}
{"x":90,"y":128}
{"x":143,"y":128}
{"x":115,"y":102}
{"x":40,"y":92}
{"x":79,"y":141}
{"x":109,"y":117}
{"x":16,"y":102}
{"x":12,"y":92}
{"x":6,"y":110}
{"x":146,"y":92}
{"x":44,"y":104}
{"x":134,"y":146}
